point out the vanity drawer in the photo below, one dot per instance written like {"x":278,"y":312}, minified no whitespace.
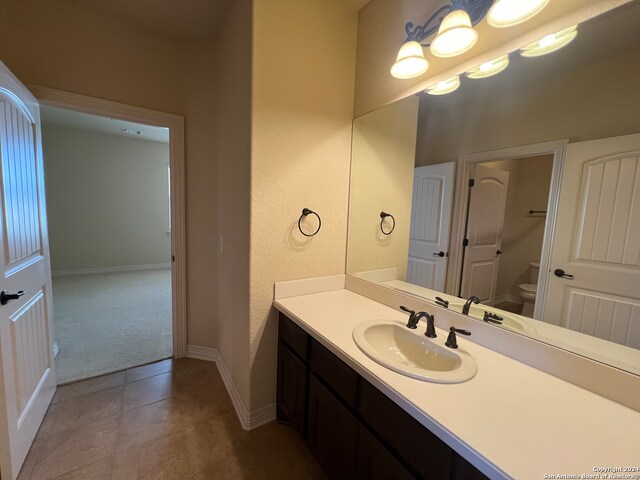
{"x":425,"y":453}
{"x":335,"y":373}
{"x":295,"y":337}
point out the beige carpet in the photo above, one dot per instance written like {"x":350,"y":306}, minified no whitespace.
{"x":109,"y":322}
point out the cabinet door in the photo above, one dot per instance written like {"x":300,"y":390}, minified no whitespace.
{"x":291,"y":392}
{"x":463,"y":470}
{"x":375,"y":462}
{"x":333,"y":432}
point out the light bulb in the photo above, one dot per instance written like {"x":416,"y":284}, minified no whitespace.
{"x":550,"y":43}
{"x":490,"y":68}
{"x":455,"y":35}
{"x":506,"y":13}
{"x":410,"y":62}
{"x":446,"y":86}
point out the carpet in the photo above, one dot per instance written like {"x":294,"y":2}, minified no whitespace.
{"x":109,"y":322}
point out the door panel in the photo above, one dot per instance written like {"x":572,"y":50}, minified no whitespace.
{"x":485,"y":221}
{"x":27,"y":376}
{"x":430,"y":225}
{"x":597,"y":241}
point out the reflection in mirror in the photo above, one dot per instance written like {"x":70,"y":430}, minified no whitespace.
{"x":522,"y":189}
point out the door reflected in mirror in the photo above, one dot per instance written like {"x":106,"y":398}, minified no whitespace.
{"x":522,"y":189}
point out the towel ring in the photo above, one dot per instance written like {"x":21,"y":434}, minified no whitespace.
{"x":305,"y":212}
{"x":383,"y":216}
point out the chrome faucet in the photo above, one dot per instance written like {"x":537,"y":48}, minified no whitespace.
{"x":414,"y":318}
{"x":467,"y":305}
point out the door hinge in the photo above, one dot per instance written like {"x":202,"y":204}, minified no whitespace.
{"x":472,"y":182}
{"x":173,"y":258}
{"x":465,"y":242}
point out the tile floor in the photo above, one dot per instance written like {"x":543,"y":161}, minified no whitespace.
{"x":168,"y":420}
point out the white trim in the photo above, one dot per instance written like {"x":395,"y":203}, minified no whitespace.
{"x":175,"y":124}
{"x":202,"y":353}
{"x":557,"y":148}
{"x":248,"y":419}
{"x":119,"y":269}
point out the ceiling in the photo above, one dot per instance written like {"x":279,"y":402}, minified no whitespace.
{"x":96,"y":123}
{"x":182,"y":20}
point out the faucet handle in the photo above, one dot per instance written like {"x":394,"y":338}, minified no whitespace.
{"x":442,"y":302}
{"x":452,"y":341}
{"x":408,"y":310}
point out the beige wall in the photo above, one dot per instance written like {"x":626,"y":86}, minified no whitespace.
{"x":303,"y":78}
{"x":234,"y":164}
{"x":381,"y":33}
{"x":529,"y":182}
{"x":68,"y":46}
{"x":107,"y":199}
{"x":382,"y":166}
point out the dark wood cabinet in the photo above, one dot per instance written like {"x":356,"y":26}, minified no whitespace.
{"x":291,"y":392}
{"x":354,"y":430}
{"x":375,"y":461}
{"x":333,"y":432}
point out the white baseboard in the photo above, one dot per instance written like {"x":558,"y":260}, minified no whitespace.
{"x":118,"y":269}
{"x":248,"y":419}
{"x":202,"y":353}
{"x":56,"y":350}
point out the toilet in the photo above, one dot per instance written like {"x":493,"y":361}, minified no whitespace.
{"x":528,"y":291}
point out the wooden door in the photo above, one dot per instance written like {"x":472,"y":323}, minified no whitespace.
{"x":26,"y":355}
{"x":597,"y":242}
{"x":485,"y":220}
{"x":430,"y":225}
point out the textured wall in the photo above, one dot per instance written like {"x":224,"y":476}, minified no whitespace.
{"x":107,"y":199}
{"x":303,"y":78}
{"x":234,"y":165}
{"x":69,"y":46}
{"x":381,"y":33}
{"x":382,"y":166}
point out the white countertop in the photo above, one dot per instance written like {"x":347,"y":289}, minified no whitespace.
{"x":510,"y":420}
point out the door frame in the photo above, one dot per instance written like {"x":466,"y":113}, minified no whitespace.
{"x":556,"y":148}
{"x":175,"y":123}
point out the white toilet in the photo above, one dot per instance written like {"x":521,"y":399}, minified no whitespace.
{"x":528,"y":290}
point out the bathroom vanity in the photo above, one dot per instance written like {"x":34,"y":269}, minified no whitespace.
{"x":362,"y":420}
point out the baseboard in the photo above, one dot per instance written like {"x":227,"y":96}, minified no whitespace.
{"x":118,"y":269}
{"x":202,"y":353}
{"x":248,"y":419}
{"x":56,"y":350}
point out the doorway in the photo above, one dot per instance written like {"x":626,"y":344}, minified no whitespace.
{"x":173,"y":264}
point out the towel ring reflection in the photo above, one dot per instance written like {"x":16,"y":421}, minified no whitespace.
{"x":383,"y":216}
{"x":305,"y":212}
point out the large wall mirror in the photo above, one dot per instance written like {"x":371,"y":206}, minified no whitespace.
{"x":521,"y":189}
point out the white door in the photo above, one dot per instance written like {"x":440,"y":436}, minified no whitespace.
{"x":27,"y":377}
{"x":430,"y":225}
{"x":597,"y":242}
{"x":485,"y":220}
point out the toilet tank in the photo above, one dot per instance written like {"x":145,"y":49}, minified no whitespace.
{"x":534,"y":270}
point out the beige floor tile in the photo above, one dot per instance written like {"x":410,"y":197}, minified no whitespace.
{"x":144,"y":424}
{"x":164,"y":457}
{"x":76,"y":412}
{"x":89,"y":386}
{"x":147,"y":391}
{"x":72,"y":449}
{"x":96,"y":471}
{"x":146,"y":371}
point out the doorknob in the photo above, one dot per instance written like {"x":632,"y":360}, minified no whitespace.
{"x":498,"y":252}
{"x":6,"y":296}
{"x":558,"y":272}
{"x":439,"y":254}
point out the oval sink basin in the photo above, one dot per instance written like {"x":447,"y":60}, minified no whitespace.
{"x":410,"y":353}
{"x":510,"y":321}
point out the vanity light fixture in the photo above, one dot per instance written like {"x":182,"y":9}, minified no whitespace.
{"x":446,"y":86}
{"x":452,"y":24}
{"x":487,"y":69}
{"x":506,"y":13}
{"x":410,"y":62}
{"x":550,"y":43}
